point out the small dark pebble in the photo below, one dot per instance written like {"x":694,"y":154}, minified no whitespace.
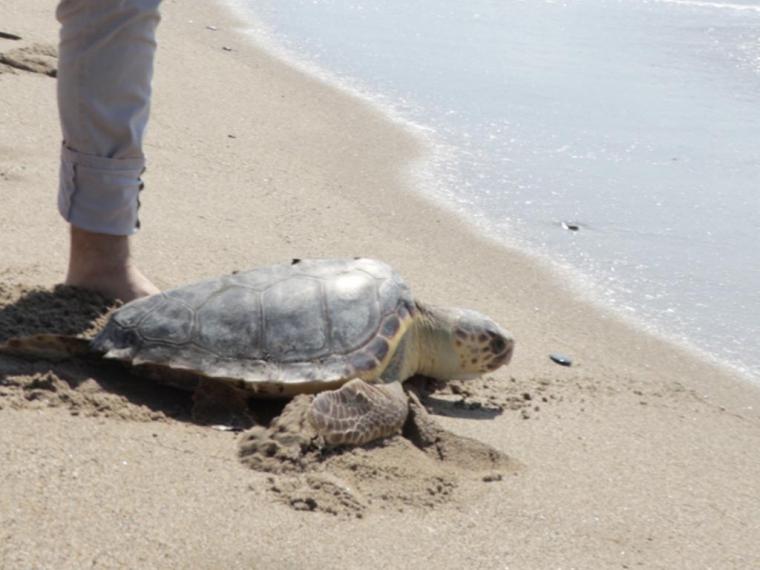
{"x":527,"y":396}
{"x":573,"y":227}
{"x":226,"y":48}
{"x":231,"y":137}
{"x":307,"y":504}
{"x":561,"y":359}
{"x":491,"y":477}
{"x":9,"y":36}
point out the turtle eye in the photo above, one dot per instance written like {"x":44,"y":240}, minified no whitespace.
{"x":461,"y":334}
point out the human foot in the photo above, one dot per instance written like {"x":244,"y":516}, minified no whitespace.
{"x":102,"y":263}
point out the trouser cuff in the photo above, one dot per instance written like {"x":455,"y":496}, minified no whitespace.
{"x":100,"y":194}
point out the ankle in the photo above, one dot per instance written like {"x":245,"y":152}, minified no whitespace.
{"x":103,"y":263}
{"x":97,"y":253}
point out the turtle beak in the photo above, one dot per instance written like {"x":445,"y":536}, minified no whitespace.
{"x":502,"y":345}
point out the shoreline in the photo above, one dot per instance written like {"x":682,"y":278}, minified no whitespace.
{"x":637,"y":454}
{"x":422,"y":180}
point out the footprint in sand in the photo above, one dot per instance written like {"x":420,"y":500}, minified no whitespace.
{"x":33,"y":58}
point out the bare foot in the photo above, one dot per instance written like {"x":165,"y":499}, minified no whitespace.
{"x":102,"y":263}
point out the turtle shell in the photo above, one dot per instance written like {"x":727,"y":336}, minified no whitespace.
{"x":280,"y":330}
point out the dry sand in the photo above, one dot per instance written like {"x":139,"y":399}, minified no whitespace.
{"x":639,"y":455}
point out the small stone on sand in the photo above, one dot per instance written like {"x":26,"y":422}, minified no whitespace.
{"x":561,"y":359}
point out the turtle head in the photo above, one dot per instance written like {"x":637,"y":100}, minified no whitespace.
{"x":463,"y":344}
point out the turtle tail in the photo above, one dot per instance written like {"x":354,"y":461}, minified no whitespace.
{"x":47,"y":346}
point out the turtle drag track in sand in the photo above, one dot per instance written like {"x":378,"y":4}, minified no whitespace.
{"x":421,"y":468}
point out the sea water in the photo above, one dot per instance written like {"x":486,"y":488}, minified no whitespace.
{"x":618,"y":138}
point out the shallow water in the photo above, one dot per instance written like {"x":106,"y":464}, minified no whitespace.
{"x":637,"y":121}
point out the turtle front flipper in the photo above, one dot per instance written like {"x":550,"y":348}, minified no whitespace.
{"x":359,"y":412}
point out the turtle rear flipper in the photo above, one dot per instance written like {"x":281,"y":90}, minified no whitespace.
{"x":359,"y":412}
{"x":47,"y":346}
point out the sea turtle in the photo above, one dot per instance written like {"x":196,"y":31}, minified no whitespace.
{"x":346,"y":328}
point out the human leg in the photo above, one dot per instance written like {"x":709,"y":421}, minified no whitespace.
{"x":103,"y":263}
{"x":105,"y":68}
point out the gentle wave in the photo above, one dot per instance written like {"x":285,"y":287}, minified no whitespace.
{"x":727,"y":6}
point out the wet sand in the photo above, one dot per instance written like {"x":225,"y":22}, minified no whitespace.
{"x":638,"y":454}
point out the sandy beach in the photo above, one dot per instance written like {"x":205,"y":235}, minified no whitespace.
{"x":640,"y":455}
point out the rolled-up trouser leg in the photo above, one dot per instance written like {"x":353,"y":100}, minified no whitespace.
{"x":104,"y":74}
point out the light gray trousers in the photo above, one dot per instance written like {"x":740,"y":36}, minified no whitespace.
{"x":104,"y":74}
